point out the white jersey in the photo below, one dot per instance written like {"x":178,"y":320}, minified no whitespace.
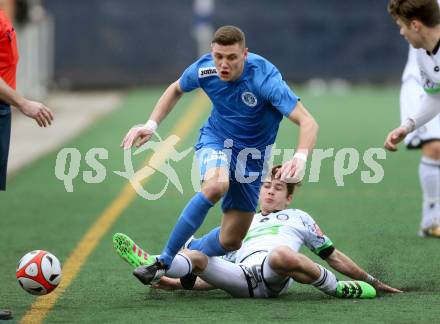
{"x":411,"y":97}
{"x":247,"y":274}
{"x":429,"y":101}
{"x":429,"y":65}
{"x":412,"y":69}
{"x":289,"y":227}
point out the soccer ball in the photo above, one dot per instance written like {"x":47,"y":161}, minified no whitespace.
{"x":39,"y":272}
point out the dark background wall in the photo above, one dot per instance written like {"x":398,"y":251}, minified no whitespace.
{"x":114,"y":42}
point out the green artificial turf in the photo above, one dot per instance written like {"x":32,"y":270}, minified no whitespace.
{"x":375,"y":224}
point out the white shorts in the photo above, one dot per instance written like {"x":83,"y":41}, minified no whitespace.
{"x":252,"y":278}
{"x":410,"y":98}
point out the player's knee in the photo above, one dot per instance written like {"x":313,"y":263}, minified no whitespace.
{"x":214,"y":190}
{"x":230,"y":243}
{"x":284,"y":257}
{"x":198,"y":259}
{"x":432,"y":150}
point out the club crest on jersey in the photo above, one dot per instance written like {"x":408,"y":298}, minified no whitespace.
{"x":207,"y":72}
{"x":282,"y":217}
{"x":249,"y":99}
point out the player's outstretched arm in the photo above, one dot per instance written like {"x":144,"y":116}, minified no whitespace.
{"x":140,"y":134}
{"x":294,"y":169}
{"x":33,"y":109}
{"x":167,"y":102}
{"x":166,"y":283}
{"x":429,"y":108}
{"x":343,"y":264}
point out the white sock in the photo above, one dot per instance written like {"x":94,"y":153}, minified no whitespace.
{"x":326,"y":282}
{"x":429,"y":173}
{"x":181,"y":266}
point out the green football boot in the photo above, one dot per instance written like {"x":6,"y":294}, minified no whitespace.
{"x":355,"y":289}
{"x":131,"y":252}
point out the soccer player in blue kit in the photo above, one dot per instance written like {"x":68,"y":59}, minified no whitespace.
{"x":249,"y":99}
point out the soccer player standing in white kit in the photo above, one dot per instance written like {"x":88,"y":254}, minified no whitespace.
{"x":419,"y":23}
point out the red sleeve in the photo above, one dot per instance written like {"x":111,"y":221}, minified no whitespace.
{"x":8,"y":51}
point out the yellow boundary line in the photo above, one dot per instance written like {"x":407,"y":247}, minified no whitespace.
{"x":42,"y":305}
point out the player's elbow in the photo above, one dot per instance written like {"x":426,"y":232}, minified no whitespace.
{"x":177,"y":90}
{"x":334,"y":258}
{"x":308,"y":123}
{"x":231,"y":243}
{"x":312,"y":124}
{"x":310,"y":128}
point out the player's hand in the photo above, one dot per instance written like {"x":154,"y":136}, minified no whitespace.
{"x":36,"y":110}
{"x":292,"y":171}
{"x":380,"y":286}
{"x":395,"y":137}
{"x":137,"y":135}
{"x":166,"y":283}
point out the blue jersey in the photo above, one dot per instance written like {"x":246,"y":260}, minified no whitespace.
{"x":247,"y":110}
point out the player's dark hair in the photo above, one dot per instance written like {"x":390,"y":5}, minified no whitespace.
{"x":290,"y":186}
{"x":425,"y":11}
{"x":229,"y":35}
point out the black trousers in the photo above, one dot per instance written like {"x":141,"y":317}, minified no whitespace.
{"x":5,"y":136}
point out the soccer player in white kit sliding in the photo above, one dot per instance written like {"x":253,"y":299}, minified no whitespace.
{"x":419,"y":23}
{"x":268,"y":262}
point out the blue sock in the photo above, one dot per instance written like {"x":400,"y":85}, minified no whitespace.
{"x":189,"y":221}
{"x":209,"y":244}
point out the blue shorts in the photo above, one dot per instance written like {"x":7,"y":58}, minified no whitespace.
{"x":5,"y":136}
{"x":245,"y":173}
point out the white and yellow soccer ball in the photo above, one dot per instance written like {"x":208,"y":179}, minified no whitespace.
{"x":39,"y":272}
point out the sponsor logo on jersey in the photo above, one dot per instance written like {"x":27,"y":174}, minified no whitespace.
{"x":429,"y":86}
{"x":249,"y":99}
{"x":214,"y":156}
{"x":207,"y":72}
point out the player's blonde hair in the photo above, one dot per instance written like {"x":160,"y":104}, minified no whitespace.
{"x":229,"y":35}
{"x":425,"y":11}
